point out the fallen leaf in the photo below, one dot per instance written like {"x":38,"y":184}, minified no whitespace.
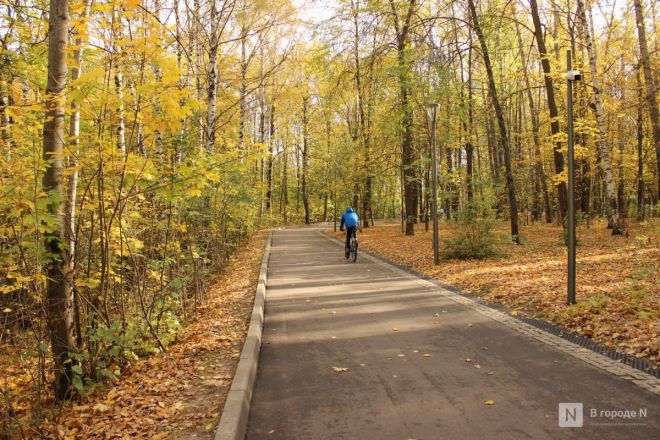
{"x":340,"y":369}
{"x":395,"y":329}
{"x":101,"y":407}
{"x":489,"y":402}
{"x":477,"y":366}
{"x":468,"y":360}
{"x":428,"y":355}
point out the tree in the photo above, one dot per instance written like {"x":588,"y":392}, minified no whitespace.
{"x":402,"y":24}
{"x":501,"y":124}
{"x":540,"y":181}
{"x":552,"y":106}
{"x":649,"y":79}
{"x":58,"y":290}
{"x":614,"y":220}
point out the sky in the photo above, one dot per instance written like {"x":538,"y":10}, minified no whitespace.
{"x":315,"y":11}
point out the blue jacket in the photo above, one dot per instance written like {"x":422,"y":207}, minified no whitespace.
{"x":349,"y":219}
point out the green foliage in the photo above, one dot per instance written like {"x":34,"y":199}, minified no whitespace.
{"x":471,"y":239}
{"x":638,"y":299}
{"x":594,"y":304}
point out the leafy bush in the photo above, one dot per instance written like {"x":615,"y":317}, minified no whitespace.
{"x":592,"y":305}
{"x":471,"y":239}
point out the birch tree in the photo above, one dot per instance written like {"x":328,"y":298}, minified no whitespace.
{"x":58,"y":289}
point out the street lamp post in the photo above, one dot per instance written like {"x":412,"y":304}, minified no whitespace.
{"x":571,"y":76}
{"x":433,"y":113}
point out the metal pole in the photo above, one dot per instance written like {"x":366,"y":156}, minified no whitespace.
{"x":571,"y":190}
{"x":436,"y":248}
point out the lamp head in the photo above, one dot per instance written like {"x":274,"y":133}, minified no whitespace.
{"x":573,"y":75}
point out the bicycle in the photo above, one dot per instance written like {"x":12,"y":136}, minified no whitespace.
{"x":353,"y":246}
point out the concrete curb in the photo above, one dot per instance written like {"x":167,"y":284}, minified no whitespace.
{"x":234,"y":419}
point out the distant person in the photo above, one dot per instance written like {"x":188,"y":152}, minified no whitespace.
{"x":351,"y":220}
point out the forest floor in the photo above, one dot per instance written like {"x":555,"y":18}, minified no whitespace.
{"x":180,"y":393}
{"x":617,"y":281}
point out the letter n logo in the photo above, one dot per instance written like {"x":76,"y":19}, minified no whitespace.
{"x":570,"y":415}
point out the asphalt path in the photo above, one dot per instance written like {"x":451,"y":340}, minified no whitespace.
{"x":361,"y":351}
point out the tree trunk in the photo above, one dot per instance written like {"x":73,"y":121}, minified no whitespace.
{"x":640,"y":149}
{"x":651,"y":97}
{"x":58,"y":293}
{"x":614,"y":220}
{"x":242,"y":93}
{"x":199,"y":59}
{"x":119,"y":81}
{"x":269,"y":164}
{"x":305,"y":165}
{"x":285,"y":183}
{"x":72,"y":183}
{"x":540,"y":180}
{"x":503,"y":138}
{"x":362,"y":123}
{"x":211,"y":78}
{"x":402,"y":28}
{"x":469,"y":148}
{"x":552,"y":107}
{"x":4,"y":117}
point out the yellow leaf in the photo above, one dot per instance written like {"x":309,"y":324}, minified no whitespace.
{"x":101,"y":407}
{"x":489,"y":402}
{"x":112,"y":395}
{"x":6,"y":310}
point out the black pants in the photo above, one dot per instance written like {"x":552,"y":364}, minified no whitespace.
{"x":349,"y":232}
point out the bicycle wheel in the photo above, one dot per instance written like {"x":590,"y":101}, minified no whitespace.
{"x":354,"y":249}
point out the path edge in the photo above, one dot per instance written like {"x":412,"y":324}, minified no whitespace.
{"x":234,"y":418}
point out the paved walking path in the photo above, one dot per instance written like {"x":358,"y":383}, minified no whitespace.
{"x":420,"y":365}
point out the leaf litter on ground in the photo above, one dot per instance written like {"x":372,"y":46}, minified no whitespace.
{"x":180,"y":393}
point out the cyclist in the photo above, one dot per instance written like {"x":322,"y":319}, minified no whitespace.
{"x":351,"y":220}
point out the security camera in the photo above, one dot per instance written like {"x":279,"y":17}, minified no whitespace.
{"x":573,"y":75}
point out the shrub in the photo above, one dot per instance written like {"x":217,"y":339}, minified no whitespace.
{"x":472,"y":239}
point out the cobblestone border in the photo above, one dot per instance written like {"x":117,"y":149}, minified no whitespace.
{"x":626,"y":372}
